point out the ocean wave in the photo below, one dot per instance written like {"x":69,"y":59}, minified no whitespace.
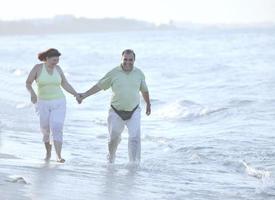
{"x":100,"y":122}
{"x":14,"y":71}
{"x":17,"y":179}
{"x":162,"y":140}
{"x":24,"y":105}
{"x":18,"y":72}
{"x":185,"y":110}
{"x":7,"y":156}
{"x":266,"y":185}
{"x":238,"y":102}
{"x":257,"y":173}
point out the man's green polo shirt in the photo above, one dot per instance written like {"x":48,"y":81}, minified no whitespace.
{"x":125,"y":87}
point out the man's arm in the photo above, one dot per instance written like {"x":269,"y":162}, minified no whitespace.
{"x":146,"y":98}
{"x":90,"y":92}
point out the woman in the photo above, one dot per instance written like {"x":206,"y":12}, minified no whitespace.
{"x":50,"y":99}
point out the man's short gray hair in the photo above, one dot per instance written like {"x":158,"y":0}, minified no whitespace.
{"x":129,"y":51}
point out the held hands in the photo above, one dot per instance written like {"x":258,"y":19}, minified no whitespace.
{"x":79,"y":97}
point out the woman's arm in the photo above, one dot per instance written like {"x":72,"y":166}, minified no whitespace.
{"x":65,"y":84}
{"x":32,"y":76}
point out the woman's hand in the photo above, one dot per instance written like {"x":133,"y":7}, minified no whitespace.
{"x":148,"y":109}
{"x":33,"y":98}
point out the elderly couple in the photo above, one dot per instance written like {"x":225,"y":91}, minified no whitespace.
{"x":125,"y":80}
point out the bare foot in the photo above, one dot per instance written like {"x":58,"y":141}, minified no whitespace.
{"x":60,"y":160}
{"x":111,"y":159}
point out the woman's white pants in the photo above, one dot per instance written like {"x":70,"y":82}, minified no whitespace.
{"x":52,"y":115}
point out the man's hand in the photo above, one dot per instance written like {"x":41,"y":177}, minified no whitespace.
{"x":148,"y":109}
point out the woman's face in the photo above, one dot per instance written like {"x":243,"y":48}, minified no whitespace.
{"x":52,"y":61}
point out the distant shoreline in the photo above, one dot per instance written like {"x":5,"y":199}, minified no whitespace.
{"x":70,"y":24}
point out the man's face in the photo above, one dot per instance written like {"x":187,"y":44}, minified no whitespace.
{"x":127,"y":61}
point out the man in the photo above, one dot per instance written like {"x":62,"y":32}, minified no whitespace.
{"x":126,"y":82}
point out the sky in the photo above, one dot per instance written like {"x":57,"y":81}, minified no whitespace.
{"x":156,"y":11}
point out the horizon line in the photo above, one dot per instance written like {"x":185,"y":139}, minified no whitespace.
{"x":170,"y":21}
